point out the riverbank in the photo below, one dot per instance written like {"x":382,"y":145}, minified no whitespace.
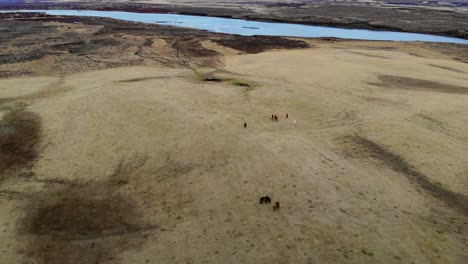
{"x":248,"y":28}
{"x":394,"y":18}
{"x":29,"y":38}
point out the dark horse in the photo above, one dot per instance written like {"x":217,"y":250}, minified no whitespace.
{"x":265,"y":199}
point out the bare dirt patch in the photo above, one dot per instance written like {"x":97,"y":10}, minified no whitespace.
{"x":397,"y":163}
{"x":413,"y":84}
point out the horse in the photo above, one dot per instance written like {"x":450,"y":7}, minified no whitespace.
{"x":265,"y":199}
{"x":276,"y":206}
{"x":245,"y":125}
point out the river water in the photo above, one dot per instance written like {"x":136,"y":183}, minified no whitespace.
{"x":249,"y":28}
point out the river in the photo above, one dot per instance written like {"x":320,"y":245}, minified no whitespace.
{"x":249,"y":28}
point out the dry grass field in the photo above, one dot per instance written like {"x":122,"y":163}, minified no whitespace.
{"x":148,"y":161}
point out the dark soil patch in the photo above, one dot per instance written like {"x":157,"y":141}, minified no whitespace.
{"x":74,"y":217}
{"x":257,"y":44}
{"x":398,"y":164}
{"x":79,"y":226}
{"x":95,"y":221}
{"x":19,"y":134}
{"x":413,"y":84}
{"x":84,"y":223}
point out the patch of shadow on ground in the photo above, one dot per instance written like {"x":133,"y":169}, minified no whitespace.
{"x":413,"y":84}
{"x":19,"y":136}
{"x":446,"y":68}
{"x":257,"y":44}
{"x":368,"y":55}
{"x":398,"y":164}
{"x":211,"y":77}
{"x":83,"y":223}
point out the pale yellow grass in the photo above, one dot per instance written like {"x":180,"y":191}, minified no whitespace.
{"x":335,"y":207}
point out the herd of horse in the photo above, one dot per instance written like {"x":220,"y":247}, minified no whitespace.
{"x":267,"y":199}
{"x":273,"y":117}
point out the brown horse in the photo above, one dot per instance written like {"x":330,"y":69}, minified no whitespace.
{"x":276,"y":206}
